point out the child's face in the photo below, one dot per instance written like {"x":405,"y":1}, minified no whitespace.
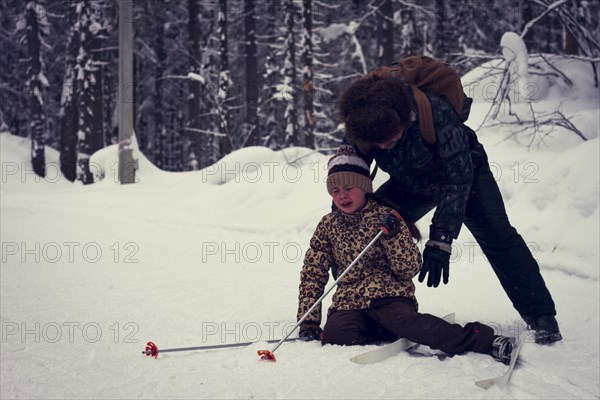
{"x":349,"y":199}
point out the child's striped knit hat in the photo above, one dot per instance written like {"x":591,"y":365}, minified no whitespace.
{"x":346,"y":168}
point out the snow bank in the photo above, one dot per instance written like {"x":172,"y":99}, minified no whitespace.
{"x":17,"y":171}
{"x":567,"y":86}
{"x":561,"y":206}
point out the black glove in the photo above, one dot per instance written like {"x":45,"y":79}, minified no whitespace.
{"x":436,"y":263}
{"x":310,"y":331}
{"x":391,"y":224}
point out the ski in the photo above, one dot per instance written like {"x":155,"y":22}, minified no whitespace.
{"x":502,"y":380}
{"x":391,"y":349}
{"x":383,"y":352}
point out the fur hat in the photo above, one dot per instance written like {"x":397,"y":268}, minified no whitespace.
{"x":347,"y":168}
{"x":375,"y":110}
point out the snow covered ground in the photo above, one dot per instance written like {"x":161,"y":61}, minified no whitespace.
{"x":89,"y":274}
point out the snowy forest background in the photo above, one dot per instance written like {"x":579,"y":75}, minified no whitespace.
{"x":214,"y":76}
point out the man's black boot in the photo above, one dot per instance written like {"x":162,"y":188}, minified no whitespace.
{"x":545,"y":329}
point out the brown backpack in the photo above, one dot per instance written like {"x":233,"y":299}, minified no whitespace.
{"x":425,"y":74}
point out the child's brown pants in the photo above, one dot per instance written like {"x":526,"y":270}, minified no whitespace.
{"x":395,"y":317}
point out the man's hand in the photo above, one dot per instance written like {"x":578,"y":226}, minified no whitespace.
{"x":436,"y":263}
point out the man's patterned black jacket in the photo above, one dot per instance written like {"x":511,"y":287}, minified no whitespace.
{"x":443,"y":172}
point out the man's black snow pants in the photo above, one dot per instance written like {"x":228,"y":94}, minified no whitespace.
{"x":485,"y":217}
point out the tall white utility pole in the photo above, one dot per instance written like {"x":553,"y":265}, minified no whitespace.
{"x":125,"y":103}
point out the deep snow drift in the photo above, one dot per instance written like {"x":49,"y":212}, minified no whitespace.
{"x":90,"y":274}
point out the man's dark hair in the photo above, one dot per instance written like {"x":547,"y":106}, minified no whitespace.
{"x":375,"y":109}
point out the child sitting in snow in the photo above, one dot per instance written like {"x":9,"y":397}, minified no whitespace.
{"x":375,"y":299}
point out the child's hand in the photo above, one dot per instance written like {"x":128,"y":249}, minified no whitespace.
{"x":391,"y":224}
{"x":310,"y":331}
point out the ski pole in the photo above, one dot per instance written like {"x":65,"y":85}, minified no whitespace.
{"x":152,"y":349}
{"x":390,"y":227}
